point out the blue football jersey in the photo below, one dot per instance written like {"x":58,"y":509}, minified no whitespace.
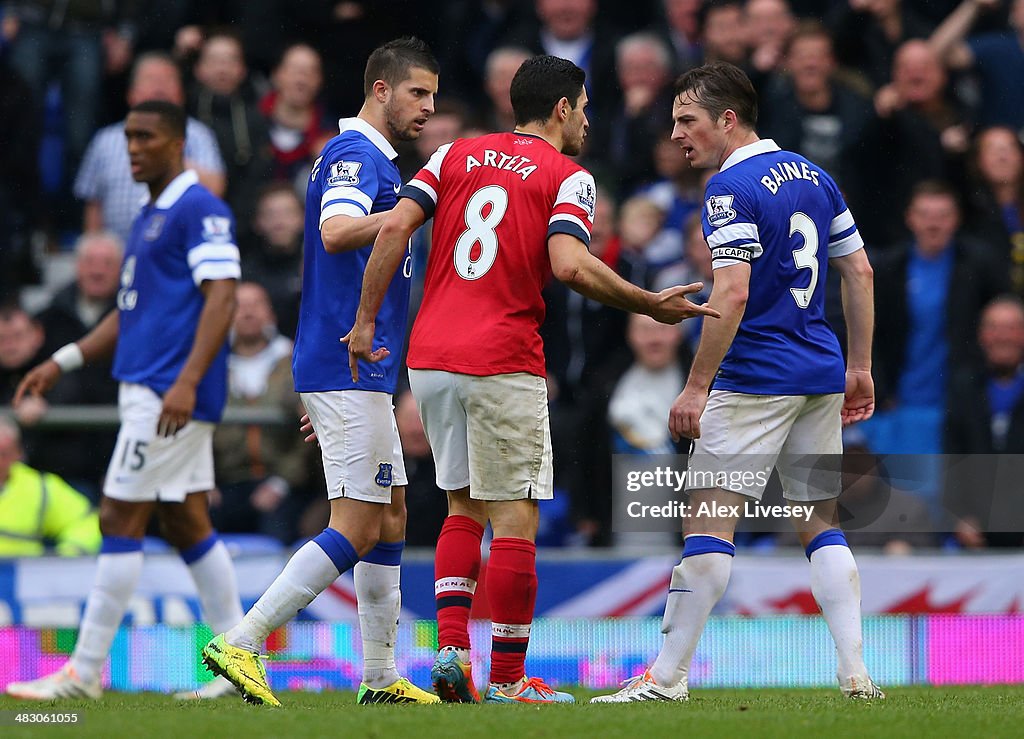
{"x":175,"y":244}
{"x":355,"y":175}
{"x":784,"y":216}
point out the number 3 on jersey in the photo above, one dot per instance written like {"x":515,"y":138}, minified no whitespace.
{"x":484,"y":212}
{"x":806,"y":257}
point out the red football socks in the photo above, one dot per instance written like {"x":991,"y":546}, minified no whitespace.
{"x":512,"y":593}
{"x":456,"y":569}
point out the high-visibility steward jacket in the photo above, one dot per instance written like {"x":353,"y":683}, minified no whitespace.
{"x":38,"y":506}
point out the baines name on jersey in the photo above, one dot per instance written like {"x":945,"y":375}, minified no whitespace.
{"x":787,"y":172}
{"x":522,"y":166}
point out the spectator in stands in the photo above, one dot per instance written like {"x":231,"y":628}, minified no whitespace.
{"x":502,"y":65}
{"x":77,"y":456}
{"x":469,"y":32}
{"x":769,"y":25}
{"x":868,"y":33}
{"x":928,"y":294}
{"x":623,"y":140}
{"x":678,"y":190}
{"x":258,"y":467}
{"x":273,"y":255}
{"x":639,"y":404}
{"x":295,"y":117}
{"x":681,"y":31}
{"x":986,"y":417}
{"x":21,"y":348}
{"x":647,"y":246}
{"x":809,"y":111}
{"x":570,"y":29}
{"x":104,"y":182}
{"x":224,"y":100}
{"x":723,"y":32}
{"x":38,"y":509}
{"x":996,"y":204}
{"x":79,"y":306}
{"x":695,"y":267}
{"x":447,"y":124}
{"x":581,"y":334}
{"x":581,"y":338}
{"x":875,"y":512}
{"x":19,"y":184}
{"x":997,"y":56}
{"x":915,"y":134}
{"x":70,"y":43}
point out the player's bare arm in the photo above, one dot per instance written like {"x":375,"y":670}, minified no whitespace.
{"x":574,"y":265}
{"x":211,"y":333}
{"x":859,"y":311}
{"x":345,"y":233}
{"x":97,"y":344}
{"x":388,"y":251}
{"x":729,"y":298}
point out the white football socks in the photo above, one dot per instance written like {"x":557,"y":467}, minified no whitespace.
{"x":307,"y":574}
{"x":698,"y":582}
{"x":380,"y":602}
{"x":117,"y":574}
{"x":835,"y":584}
{"x":214,"y":576}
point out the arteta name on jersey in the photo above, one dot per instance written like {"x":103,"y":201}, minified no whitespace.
{"x":496,"y":200}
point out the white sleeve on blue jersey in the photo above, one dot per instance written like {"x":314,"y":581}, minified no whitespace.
{"x":843,"y":236}
{"x":212,"y":253}
{"x":350,"y":185}
{"x":201,"y":148}
{"x":729,"y":227}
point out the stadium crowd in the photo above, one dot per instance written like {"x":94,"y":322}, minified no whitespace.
{"x":916,"y":107}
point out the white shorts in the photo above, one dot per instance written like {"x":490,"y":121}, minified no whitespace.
{"x":147,"y":467}
{"x":359,"y":443}
{"x":488,"y":433}
{"x":742,"y":437}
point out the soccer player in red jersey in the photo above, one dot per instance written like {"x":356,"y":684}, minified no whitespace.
{"x":509,"y":210}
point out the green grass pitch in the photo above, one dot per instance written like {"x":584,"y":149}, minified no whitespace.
{"x":996,"y":711}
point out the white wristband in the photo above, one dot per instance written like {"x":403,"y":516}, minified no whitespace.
{"x":68,"y":357}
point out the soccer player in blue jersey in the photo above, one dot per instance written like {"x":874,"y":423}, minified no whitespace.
{"x":168,"y":336}
{"x":352,"y":187}
{"x":768,"y":384}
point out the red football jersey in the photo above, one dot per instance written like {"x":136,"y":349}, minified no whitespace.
{"x":495,"y":200}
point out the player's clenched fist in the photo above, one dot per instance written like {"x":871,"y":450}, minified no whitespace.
{"x":671,"y":305}
{"x":684,"y":416}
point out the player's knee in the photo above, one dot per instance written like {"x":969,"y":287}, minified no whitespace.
{"x":515,"y":518}
{"x":460,"y":504}
{"x":122,"y":520}
{"x":393,"y":524}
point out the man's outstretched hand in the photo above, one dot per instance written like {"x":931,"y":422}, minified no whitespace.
{"x":671,"y":305}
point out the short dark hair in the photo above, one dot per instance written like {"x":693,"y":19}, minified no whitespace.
{"x":718,"y":87}
{"x":392,"y":61}
{"x":279,"y":187}
{"x":810,"y":29}
{"x":542,"y":81}
{"x":1005,"y":299}
{"x":935,"y":187}
{"x":173,"y":116}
